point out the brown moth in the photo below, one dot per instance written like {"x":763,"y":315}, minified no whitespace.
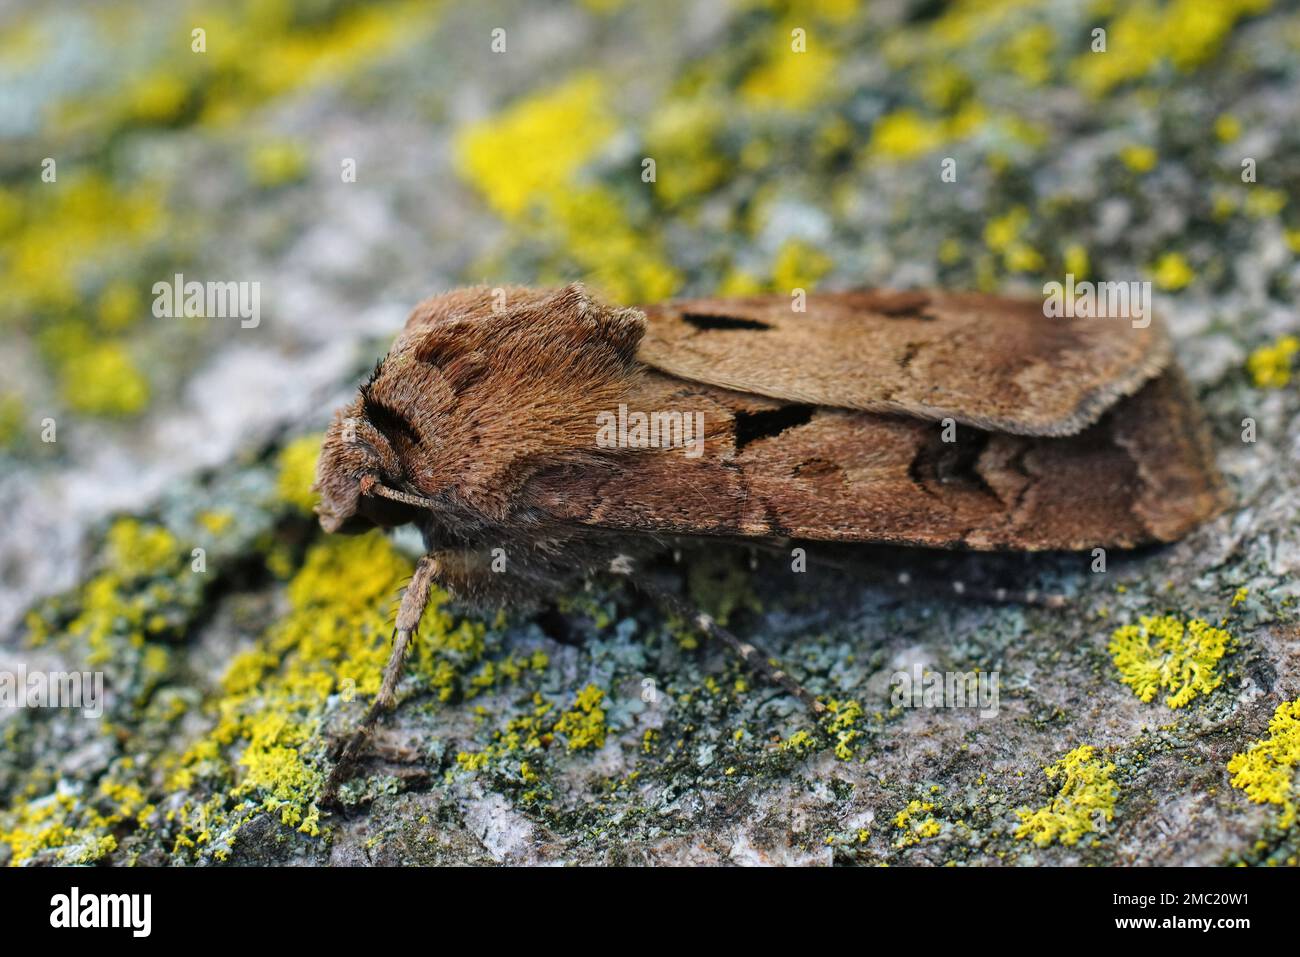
{"x":533,"y":423}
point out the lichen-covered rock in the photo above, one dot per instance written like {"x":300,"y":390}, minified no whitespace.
{"x":156,"y":472}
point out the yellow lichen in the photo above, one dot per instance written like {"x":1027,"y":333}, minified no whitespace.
{"x":799,"y":742}
{"x":297,"y":471}
{"x":915,"y":827}
{"x":1262,"y":202}
{"x":584,"y":724}
{"x":473,"y":760}
{"x":158,"y":97}
{"x":1076,"y":261}
{"x":55,"y":238}
{"x":1087,"y":793}
{"x":1002,"y":231}
{"x":527,"y":162}
{"x":790,"y":79}
{"x":799,"y":266}
{"x":1164,"y":654}
{"x":590,"y":226}
{"x":277,"y":163}
{"x":1172,"y":272}
{"x":1270,"y":366}
{"x":119,"y":305}
{"x":738,"y":282}
{"x":1005,"y":235}
{"x":215,"y":522}
{"x":136,"y":550}
{"x":282,"y":51}
{"x":122,"y":605}
{"x":531,"y":733}
{"x":1267,"y":769}
{"x":1140,"y":159}
{"x":905,"y":134}
{"x":1146,"y":34}
{"x":77,"y":826}
{"x":1227,"y":128}
{"x":843,"y":726}
{"x":681,"y":140}
{"x":104,"y":380}
{"x":33,"y":826}
{"x":1030,"y":53}
{"x":536,"y":146}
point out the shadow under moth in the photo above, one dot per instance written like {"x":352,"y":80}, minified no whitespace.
{"x":569,"y":437}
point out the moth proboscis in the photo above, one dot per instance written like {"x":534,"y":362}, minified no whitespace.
{"x":918,"y":418}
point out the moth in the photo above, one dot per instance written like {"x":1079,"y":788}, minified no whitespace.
{"x":535,"y":437}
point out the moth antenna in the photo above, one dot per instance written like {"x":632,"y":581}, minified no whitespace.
{"x":409,"y":613}
{"x":419,"y":501}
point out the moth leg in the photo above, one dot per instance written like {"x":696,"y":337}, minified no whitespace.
{"x":753,"y":657}
{"x":409,"y":613}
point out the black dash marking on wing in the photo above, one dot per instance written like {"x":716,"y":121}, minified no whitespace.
{"x":705,"y":321}
{"x":751,"y":426}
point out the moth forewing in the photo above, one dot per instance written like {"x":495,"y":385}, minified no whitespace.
{"x":989,"y":361}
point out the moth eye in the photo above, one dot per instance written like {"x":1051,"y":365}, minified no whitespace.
{"x":392,"y":424}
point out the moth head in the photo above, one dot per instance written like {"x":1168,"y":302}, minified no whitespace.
{"x":483,"y":388}
{"x":360,"y":477}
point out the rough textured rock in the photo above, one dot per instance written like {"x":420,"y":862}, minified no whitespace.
{"x":602,"y":732}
